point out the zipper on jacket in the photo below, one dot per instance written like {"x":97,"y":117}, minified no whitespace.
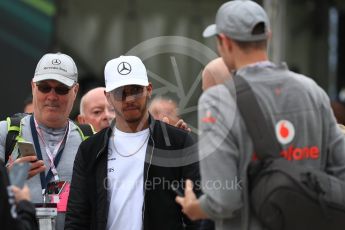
{"x":100,"y":151}
{"x":106,"y":139}
{"x":147,"y":176}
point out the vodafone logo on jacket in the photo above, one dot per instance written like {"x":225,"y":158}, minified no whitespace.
{"x":285,"y":131}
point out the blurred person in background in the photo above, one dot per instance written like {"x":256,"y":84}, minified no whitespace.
{"x":215,"y":72}
{"x":16,"y":211}
{"x":28,"y":106}
{"x":161,"y":107}
{"x":95,"y":109}
{"x":339,"y":111}
{"x":165,"y":109}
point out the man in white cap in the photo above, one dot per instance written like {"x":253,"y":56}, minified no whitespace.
{"x":124,"y":175}
{"x":96,"y":111}
{"x":294,"y":104}
{"x":55,"y":138}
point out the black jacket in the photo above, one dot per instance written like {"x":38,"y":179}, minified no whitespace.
{"x":168,"y":149}
{"x":25,"y":218}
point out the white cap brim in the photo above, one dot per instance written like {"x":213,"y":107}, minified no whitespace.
{"x":119,"y":83}
{"x":62,"y":79}
{"x":210,"y":31}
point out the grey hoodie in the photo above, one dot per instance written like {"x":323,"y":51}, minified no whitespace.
{"x":305,"y":126}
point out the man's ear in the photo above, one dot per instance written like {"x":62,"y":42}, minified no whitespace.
{"x":149,"y":89}
{"x":269,"y":35}
{"x":227,"y":43}
{"x":108,"y":96}
{"x":81,"y":119}
{"x":76,"y":88}
{"x":33,"y":85}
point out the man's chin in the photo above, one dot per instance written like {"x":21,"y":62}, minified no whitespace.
{"x":133,"y":119}
{"x":51,"y":106}
{"x":51,"y":110}
{"x":53,"y":121}
{"x":133,"y":116}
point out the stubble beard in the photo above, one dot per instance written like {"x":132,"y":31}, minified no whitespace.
{"x":134,"y":120}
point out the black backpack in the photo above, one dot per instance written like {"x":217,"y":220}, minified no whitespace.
{"x":284,"y":195}
{"x":13,"y":128}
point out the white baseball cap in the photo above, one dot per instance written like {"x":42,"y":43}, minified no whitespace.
{"x":124,"y":70}
{"x":56,"y":66}
{"x":237,"y":19}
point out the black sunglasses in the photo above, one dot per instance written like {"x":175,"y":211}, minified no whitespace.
{"x":121,"y":93}
{"x":60,"y":90}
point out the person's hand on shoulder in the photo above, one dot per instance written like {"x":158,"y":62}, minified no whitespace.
{"x":180,"y":124}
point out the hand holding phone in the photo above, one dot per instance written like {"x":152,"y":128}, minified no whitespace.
{"x":177,"y":190}
{"x":190,"y":204}
{"x":26,"y":149}
{"x":36,"y":166}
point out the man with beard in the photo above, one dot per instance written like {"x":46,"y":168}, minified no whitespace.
{"x":123,"y":175}
{"x":96,"y":110}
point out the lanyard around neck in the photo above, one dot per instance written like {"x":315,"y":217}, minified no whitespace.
{"x":54,"y":161}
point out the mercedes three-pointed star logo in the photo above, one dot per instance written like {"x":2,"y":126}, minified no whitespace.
{"x":124,"y":68}
{"x":56,"y":62}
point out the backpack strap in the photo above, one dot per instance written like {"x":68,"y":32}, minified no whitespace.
{"x":85,"y":130}
{"x":13,"y":130}
{"x":261,"y":131}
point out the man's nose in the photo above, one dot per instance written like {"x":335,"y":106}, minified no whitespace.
{"x":52,"y":94}
{"x":129,"y":98}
